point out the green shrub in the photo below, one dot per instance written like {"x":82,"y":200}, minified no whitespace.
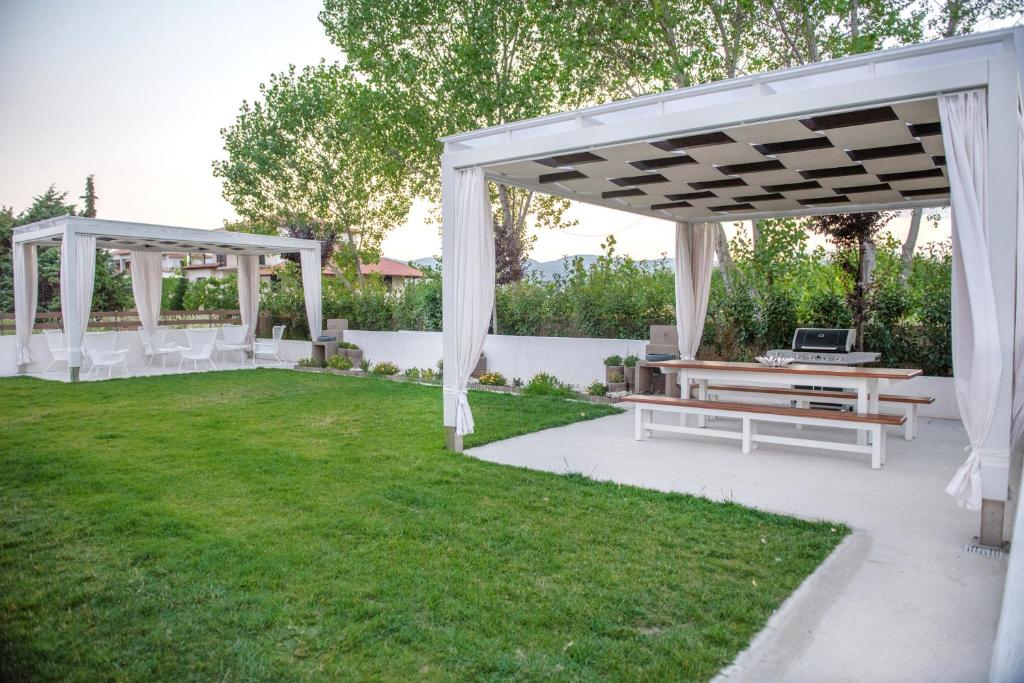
{"x":385,"y":368}
{"x":615,"y":377}
{"x":780,"y":285}
{"x":338,"y":362}
{"x":544,"y":384}
{"x":364,"y":365}
{"x":630,"y":361}
{"x":613,"y":360}
{"x":347,"y":345}
{"x":494,"y":379}
{"x":413,"y":373}
{"x":597,"y":388}
{"x":308,"y":363}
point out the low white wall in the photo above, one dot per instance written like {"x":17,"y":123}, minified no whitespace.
{"x":573,"y":360}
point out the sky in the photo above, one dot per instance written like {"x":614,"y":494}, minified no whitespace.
{"x":136,"y":93}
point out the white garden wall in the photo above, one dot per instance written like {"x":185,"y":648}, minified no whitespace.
{"x":573,"y":360}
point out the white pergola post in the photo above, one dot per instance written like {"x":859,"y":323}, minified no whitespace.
{"x":1002,"y":216}
{"x":449,"y":351}
{"x":70,"y":284}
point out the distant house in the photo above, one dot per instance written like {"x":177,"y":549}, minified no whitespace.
{"x":394,"y":273}
{"x":169,"y":262}
{"x":196,"y":266}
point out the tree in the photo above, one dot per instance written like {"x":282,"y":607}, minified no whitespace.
{"x":314,"y":156}
{"x":855,"y":232}
{"x":111,"y":291}
{"x":447,"y":66}
{"x":89,"y":198}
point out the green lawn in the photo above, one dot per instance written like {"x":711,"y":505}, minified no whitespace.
{"x":277,"y":525}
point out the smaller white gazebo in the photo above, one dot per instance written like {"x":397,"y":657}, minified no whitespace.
{"x":78,"y":239}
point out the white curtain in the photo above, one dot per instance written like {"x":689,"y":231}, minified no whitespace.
{"x":695,"y":251}
{"x":26,"y":294}
{"x":77,"y":276}
{"x":1017,"y":428}
{"x":977,"y":362}
{"x":311,"y":289}
{"x":468,"y":235}
{"x":147,"y":283}
{"x":249,"y":292}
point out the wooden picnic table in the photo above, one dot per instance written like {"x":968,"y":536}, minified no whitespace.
{"x":867,"y":382}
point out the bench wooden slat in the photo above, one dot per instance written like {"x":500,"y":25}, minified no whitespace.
{"x":762,"y":409}
{"x":812,"y":393}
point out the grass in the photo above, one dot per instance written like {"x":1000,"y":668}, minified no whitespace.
{"x":273,"y":525}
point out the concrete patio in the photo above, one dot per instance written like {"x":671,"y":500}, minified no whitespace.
{"x":902,"y":599}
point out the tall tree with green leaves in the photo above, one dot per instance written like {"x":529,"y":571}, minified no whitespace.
{"x":317,"y":154}
{"x":447,"y":66}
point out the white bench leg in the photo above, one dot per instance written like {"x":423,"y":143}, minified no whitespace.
{"x":638,"y":423}
{"x":747,"y":428}
{"x":877,"y":447}
{"x":910,"y":428}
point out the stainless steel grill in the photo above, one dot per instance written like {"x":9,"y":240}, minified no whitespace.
{"x":826,"y":347}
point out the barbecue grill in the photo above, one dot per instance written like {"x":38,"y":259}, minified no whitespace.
{"x":824,"y":346}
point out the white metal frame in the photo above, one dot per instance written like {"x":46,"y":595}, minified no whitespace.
{"x":163,"y":238}
{"x":991,"y":61}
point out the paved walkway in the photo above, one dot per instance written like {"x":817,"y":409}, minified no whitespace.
{"x":900,"y":600}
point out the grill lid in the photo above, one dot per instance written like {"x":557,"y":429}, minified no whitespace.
{"x":820,"y":339}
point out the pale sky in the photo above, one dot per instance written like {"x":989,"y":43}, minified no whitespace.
{"x":136,"y":92}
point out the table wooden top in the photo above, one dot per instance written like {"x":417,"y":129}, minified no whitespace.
{"x":792,"y":369}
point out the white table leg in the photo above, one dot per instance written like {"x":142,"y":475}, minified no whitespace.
{"x":684,"y":393}
{"x":702,"y":394}
{"x":862,"y":407}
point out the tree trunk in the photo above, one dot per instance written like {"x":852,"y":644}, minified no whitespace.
{"x":725,"y":262}
{"x":755,"y":234}
{"x":907,"y":256}
{"x":865,"y":276}
{"x":355,"y":255}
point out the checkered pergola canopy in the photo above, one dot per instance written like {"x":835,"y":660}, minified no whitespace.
{"x":870,"y":156}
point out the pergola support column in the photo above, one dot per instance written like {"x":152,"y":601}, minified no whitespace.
{"x":69,"y":293}
{"x":1002,"y":244}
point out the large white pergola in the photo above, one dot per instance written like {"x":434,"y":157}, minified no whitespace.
{"x":78,"y":239}
{"x":920,"y":126}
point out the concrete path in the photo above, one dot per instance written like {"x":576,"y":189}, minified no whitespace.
{"x":900,"y":600}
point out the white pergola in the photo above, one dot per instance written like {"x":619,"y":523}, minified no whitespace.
{"x":78,"y":238}
{"x":920,"y":126}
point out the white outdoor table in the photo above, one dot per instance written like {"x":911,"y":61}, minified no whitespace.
{"x":867,"y":382}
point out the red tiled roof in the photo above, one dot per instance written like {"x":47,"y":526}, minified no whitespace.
{"x":391,"y":268}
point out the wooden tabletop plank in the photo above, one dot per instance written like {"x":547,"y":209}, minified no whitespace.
{"x":792,"y":369}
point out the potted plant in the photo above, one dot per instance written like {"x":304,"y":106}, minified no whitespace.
{"x":613,"y":364}
{"x":616,"y":381}
{"x":352,"y":351}
{"x":629,"y":367}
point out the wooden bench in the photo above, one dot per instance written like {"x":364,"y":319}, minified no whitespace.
{"x":752,"y":413}
{"x":804,"y":397}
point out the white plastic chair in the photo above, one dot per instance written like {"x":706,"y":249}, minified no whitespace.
{"x":201,"y":344}
{"x":155,"y":343}
{"x":58,"y":349}
{"x":234,"y":340}
{"x":101,"y":347}
{"x":269,"y":347}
